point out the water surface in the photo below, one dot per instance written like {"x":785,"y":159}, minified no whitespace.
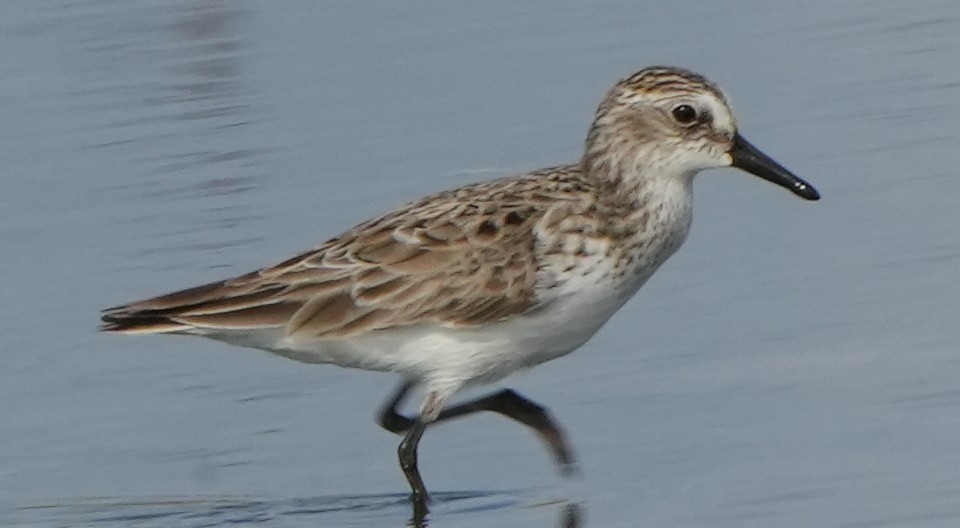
{"x":794,"y":365}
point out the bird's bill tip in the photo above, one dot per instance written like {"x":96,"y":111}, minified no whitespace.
{"x":746,"y":157}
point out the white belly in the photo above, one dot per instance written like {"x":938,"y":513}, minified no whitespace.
{"x":475,"y":355}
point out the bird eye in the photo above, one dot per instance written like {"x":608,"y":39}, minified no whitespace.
{"x":684,"y":114}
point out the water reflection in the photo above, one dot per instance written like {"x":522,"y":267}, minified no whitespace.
{"x":139,"y":140}
{"x":203,"y":86}
{"x":360,"y":510}
{"x":164,"y":90}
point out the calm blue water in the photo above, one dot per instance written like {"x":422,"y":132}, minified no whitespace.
{"x":795,"y":365}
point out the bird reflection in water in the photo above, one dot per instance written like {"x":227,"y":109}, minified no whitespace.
{"x":571,"y":516}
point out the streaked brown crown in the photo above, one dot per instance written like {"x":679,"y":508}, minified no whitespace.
{"x":670,"y":79}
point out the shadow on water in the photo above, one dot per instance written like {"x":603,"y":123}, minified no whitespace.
{"x":452,"y":508}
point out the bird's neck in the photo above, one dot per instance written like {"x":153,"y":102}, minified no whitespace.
{"x":631,"y":172}
{"x":648,"y":208}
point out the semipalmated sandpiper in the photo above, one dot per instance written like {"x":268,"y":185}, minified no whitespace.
{"x":469,"y":285}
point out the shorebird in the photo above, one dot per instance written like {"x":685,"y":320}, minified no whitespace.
{"x":466,"y":286}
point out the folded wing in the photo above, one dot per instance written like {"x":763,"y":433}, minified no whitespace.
{"x":443,"y":262}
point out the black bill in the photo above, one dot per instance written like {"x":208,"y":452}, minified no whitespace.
{"x":747,"y":157}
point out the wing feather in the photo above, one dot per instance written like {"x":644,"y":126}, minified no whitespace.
{"x":459,"y":259}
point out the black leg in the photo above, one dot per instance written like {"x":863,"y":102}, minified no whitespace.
{"x":512,"y":405}
{"x":506,"y":402}
{"x":408,"y":462}
{"x":389,"y":418}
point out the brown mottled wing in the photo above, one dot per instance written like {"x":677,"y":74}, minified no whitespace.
{"x":443,"y":260}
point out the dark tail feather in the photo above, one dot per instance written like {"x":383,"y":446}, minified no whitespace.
{"x":154,"y":315}
{"x":138,"y":323}
{"x":218,"y":305}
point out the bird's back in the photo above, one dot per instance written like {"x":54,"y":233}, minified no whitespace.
{"x":459,"y":258}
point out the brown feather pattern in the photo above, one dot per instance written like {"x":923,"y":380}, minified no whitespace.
{"x":460,"y":258}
